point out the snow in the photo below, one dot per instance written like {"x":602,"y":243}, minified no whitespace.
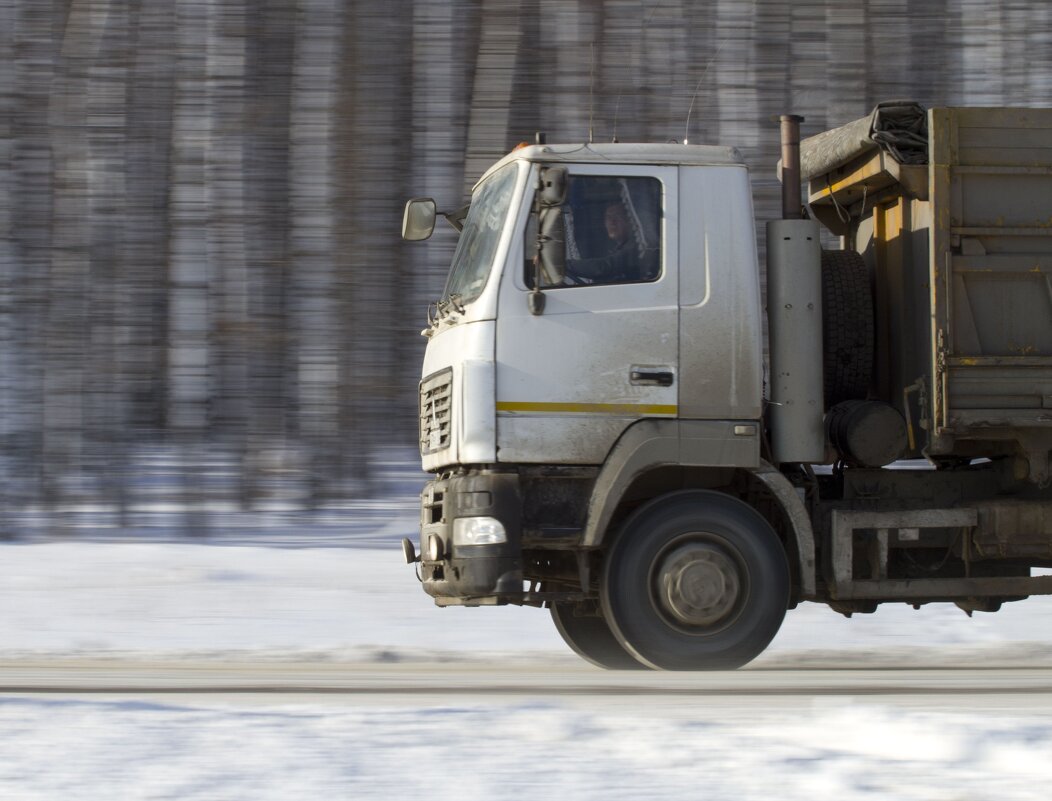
{"x":118,"y":749}
{"x":182,"y":600}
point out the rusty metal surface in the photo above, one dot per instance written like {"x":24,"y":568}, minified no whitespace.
{"x":844,"y":523}
{"x":961,"y":278}
{"x":1010,"y":528}
{"x":991,"y":249}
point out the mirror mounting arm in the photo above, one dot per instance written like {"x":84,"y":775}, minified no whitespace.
{"x":535,"y":300}
{"x":550,"y":258}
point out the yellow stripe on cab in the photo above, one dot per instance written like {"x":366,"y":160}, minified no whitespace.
{"x":619,"y":409}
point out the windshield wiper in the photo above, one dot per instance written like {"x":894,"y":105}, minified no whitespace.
{"x":443,"y":309}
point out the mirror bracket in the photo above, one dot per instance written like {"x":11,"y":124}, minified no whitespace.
{"x":550,"y":254}
{"x":535,"y":301}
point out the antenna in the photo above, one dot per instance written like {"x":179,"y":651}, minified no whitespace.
{"x":591,"y":93}
{"x":704,"y":72}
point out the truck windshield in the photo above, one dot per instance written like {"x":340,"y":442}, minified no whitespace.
{"x":473,"y":259}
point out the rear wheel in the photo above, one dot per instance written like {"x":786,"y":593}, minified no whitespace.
{"x":590,"y":637}
{"x":696,"y":580}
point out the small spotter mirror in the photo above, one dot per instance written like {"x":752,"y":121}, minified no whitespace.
{"x":418,"y":223}
{"x":553,"y":185}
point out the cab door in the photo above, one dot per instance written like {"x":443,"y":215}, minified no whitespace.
{"x":604,"y":352}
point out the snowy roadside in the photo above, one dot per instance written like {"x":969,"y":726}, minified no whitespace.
{"x":183,"y":600}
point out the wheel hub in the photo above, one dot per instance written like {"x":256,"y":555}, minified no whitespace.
{"x":698,"y":584}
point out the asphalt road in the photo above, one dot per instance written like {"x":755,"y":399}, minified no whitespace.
{"x":1020,"y":690}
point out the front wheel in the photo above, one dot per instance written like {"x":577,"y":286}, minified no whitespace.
{"x":696,"y":580}
{"x":590,"y":637}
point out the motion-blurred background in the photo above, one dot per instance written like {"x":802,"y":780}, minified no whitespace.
{"x":204,"y":301}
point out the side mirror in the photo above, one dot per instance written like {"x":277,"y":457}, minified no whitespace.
{"x":418,"y":222}
{"x":553,"y":186}
{"x":551,"y":246}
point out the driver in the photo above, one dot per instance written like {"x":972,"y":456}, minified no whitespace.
{"x":623,"y":260}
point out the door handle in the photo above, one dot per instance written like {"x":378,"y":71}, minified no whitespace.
{"x":661,"y":378}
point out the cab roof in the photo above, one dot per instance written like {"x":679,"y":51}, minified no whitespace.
{"x":623,"y":153}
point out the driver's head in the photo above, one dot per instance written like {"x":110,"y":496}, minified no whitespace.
{"x":616,"y":222}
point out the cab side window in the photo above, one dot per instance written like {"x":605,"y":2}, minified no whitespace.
{"x":612,"y":229}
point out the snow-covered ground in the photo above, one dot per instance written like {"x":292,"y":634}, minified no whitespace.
{"x":194,"y":601}
{"x":51,"y":749}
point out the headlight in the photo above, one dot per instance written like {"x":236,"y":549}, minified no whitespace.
{"x":478,"y":531}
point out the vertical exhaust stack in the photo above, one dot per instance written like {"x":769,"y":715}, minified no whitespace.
{"x":790,"y":174}
{"x":794,"y":317}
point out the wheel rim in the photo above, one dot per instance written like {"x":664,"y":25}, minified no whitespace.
{"x":698,"y":583}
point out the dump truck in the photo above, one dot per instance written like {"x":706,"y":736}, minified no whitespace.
{"x":629,"y":425}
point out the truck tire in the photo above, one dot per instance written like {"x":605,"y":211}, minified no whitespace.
{"x":847,"y":326}
{"x":696,"y":580}
{"x":591,"y":639}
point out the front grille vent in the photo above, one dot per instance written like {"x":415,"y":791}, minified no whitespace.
{"x":436,"y":411}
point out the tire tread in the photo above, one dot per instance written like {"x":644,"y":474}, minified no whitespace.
{"x":847,"y":327}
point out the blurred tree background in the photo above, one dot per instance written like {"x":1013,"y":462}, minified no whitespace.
{"x":200,"y":272}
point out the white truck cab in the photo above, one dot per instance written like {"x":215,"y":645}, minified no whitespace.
{"x":561,"y":386}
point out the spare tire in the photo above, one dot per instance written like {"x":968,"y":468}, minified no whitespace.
{"x":847,"y":326}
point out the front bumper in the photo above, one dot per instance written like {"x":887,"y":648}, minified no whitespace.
{"x":471,"y":574}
